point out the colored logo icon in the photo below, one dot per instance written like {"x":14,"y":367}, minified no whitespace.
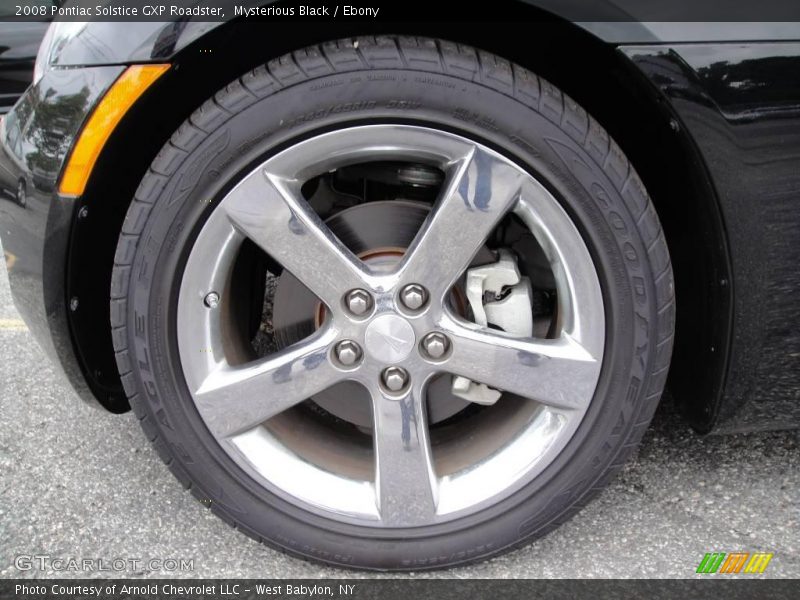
{"x":734,"y":562}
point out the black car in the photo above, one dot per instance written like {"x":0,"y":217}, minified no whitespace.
{"x":19,"y":43}
{"x":406,"y":295}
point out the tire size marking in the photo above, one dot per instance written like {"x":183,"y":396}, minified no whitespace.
{"x":475,"y":118}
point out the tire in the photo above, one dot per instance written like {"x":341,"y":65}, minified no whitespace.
{"x":22,"y":195}
{"x":446,"y":88}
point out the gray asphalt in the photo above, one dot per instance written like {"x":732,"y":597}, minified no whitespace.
{"x":78,"y":483}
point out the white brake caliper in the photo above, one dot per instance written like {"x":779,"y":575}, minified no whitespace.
{"x":499,"y":296}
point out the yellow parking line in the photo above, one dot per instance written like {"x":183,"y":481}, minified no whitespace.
{"x":12,"y":325}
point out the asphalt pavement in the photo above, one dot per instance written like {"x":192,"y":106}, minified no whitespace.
{"x":76,"y":482}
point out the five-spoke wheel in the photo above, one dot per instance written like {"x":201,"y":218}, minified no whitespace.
{"x":391,"y":330}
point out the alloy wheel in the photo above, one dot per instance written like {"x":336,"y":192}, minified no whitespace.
{"x":390,"y":331}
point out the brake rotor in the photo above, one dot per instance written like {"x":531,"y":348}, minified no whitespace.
{"x":379,"y":234}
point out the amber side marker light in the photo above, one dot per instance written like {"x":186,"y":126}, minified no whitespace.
{"x":104,"y":119}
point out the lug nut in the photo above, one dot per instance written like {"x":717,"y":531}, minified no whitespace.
{"x":347,"y":352}
{"x":211,"y":300}
{"x":435,"y":345}
{"x":414,"y":296}
{"x":395,"y":378}
{"x":358,"y":302}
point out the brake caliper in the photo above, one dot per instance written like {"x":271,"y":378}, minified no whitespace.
{"x":499,"y":296}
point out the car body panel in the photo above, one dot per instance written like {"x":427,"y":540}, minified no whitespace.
{"x":36,"y":236}
{"x":741,"y":104}
{"x":102,"y":43}
{"x":19,"y":43}
{"x":745,"y":133}
{"x":682,"y":32}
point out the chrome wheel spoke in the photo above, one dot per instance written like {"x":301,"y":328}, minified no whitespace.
{"x":235,"y":399}
{"x":481,"y":188}
{"x":560,"y":373}
{"x":405,"y":482}
{"x":271,"y":212}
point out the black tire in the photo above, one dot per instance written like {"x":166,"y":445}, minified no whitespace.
{"x":22,"y":193}
{"x":440,"y":84}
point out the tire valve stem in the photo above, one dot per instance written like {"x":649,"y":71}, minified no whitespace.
{"x":211,"y":300}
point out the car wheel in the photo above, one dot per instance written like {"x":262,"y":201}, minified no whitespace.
{"x":392,"y":303}
{"x":22,"y":193}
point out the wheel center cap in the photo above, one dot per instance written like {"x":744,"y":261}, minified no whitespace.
{"x":389,"y":338}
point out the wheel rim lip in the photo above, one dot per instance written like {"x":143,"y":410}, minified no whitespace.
{"x":520,"y":461}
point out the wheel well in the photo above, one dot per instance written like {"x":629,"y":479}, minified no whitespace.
{"x":593,"y":73}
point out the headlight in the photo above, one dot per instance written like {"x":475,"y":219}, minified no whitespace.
{"x":58,"y":34}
